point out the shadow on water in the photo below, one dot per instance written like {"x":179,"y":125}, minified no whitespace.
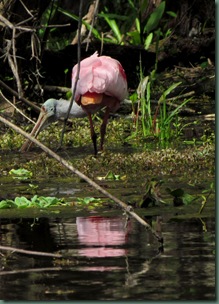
{"x":107,"y":258}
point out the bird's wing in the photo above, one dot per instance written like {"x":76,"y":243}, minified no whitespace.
{"x":100,"y":75}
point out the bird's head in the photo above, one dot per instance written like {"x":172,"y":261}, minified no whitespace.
{"x":46,"y":117}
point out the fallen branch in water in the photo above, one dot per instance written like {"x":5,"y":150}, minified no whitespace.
{"x":69,"y":166}
{"x":32,"y":270}
{"x":30,"y":252}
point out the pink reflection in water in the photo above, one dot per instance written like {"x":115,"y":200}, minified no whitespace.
{"x":101,"y":236}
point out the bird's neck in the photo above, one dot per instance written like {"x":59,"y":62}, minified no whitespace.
{"x":62,"y":109}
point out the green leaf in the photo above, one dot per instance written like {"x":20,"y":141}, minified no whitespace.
{"x":135,"y":37}
{"x":34,"y":199}
{"x":7,"y":204}
{"x":138,"y":25}
{"x":168,"y":91}
{"x":134,"y":97}
{"x":181,"y":197}
{"x":113,"y":16}
{"x":114,"y":27}
{"x":33,"y":187}
{"x":188,"y":198}
{"x":172,"y":14}
{"x":45,"y":202}
{"x":148,"y":41}
{"x":143,"y":5}
{"x":68,"y":95}
{"x":22,"y":202}
{"x":21,"y":174}
{"x":74,"y":17}
{"x":111,"y":176}
{"x":176,"y":111}
{"x":89,"y":200}
{"x":154,"y":18}
{"x":152,"y":194}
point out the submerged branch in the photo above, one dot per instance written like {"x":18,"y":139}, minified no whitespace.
{"x":30,"y":252}
{"x":29,"y":270}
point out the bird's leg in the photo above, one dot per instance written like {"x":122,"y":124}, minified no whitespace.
{"x":93,"y":134}
{"x":103,"y":127}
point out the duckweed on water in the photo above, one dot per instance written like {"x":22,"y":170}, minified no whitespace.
{"x":191,"y":163}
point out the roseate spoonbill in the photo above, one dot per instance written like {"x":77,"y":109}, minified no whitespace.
{"x":102,"y":84}
{"x":102,"y":237}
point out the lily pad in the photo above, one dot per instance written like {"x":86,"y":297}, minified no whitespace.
{"x":180,"y":197}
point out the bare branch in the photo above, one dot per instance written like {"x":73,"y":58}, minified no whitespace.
{"x":2,"y":97}
{"x":29,"y":103}
{"x":51,"y":88}
{"x":94,"y":15}
{"x":13,"y":66}
{"x":90,"y":19}
{"x":26,"y":9}
{"x":6,"y":22}
{"x":30,"y":252}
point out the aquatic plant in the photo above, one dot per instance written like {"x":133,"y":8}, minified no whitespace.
{"x":159,"y":123}
{"x":35,"y":201}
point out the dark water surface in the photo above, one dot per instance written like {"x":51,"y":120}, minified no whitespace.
{"x":107,"y":258}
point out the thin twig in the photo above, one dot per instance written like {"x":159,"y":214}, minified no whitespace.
{"x":12,"y":60}
{"x":6,"y":22}
{"x":53,"y":25}
{"x":181,"y":96}
{"x":12,"y":26}
{"x":24,"y":21}
{"x":77,"y":76}
{"x":128,"y":209}
{"x":29,"y":103}
{"x":92,"y":23}
{"x":16,"y":108}
{"x":27,"y":10}
{"x":51,"y":88}
{"x":16,"y":74}
{"x":10,"y":50}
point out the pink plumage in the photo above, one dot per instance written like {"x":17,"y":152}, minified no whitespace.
{"x":102,"y":84}
{"x":102,"y":75}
